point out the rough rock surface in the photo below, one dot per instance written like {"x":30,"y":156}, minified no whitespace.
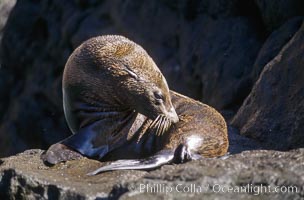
{"x":24,"y":176}
{"x":5,"y":8}
{"x":274,"y":43}
{"x":273,"y":113}
{"x":224,"y":79}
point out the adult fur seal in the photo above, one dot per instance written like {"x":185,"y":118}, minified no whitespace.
{"x":118,"y":106}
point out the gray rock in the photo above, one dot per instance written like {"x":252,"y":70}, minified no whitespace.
{"x":5,"y":79}
{"x":274,"y":43}
{"x":220,"y":64}
{"x":239,"y":143}
{"x":5,"y":8}
{"x":24,"y":176}
{"x":273,"y":113}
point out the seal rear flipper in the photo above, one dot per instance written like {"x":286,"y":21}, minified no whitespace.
{"x":161,"y":158}
{"x":183,"y":154}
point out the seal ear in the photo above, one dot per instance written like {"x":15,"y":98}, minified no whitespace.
{"x":131,"y":73}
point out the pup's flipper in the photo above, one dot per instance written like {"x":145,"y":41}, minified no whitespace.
{"x":180,"y":155}
{"x":161,"y":158}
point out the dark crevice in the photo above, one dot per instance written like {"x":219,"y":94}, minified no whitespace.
{"x":243,"y":91}
{"x":5,"y":184}
{"x":118,"y":191}
{"x":191,"y":9}
{"x":251,"y":11}
{"x":53,"y":192}
{"x":40,"y":29}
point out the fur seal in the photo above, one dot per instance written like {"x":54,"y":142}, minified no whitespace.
{"x":118,"y":106}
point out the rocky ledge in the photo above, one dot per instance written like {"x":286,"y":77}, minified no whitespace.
{"x":257,"y":174}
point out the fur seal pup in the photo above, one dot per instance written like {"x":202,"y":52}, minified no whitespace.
{"x":118,"y":106}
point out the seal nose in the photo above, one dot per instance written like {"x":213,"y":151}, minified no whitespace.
{"x":172,"y":115}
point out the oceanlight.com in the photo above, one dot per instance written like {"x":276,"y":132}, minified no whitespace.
{"x":216,"y":188}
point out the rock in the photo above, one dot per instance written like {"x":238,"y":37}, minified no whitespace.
{"x":5,"y":79}
{"x":5,"y":8}
{"x":274,"y":43}
{"x":275,"y":13}
{"x":24,"y":176}
{"x":239,"y":143}
{"x":214,"y":8}
{"x":273,"y":113}
{"x":220,"y":64}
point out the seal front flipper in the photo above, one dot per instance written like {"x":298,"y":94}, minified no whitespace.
{"x":73,"y":147}
{"x":161,"y":158}
{"x":84,"y":143}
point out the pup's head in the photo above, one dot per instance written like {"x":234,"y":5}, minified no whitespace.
{"x":125,"y":72}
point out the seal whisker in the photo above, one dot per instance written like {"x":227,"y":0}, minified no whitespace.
{"x":154,"y":122}
{"x":165,"y":124}
{"x":158,"y":126}
{"x":168,"y":124}
{"x":161,"y":125}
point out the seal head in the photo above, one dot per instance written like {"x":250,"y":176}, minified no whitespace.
{"x":118,"y":73}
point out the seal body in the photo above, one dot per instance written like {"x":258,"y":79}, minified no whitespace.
{"x":118,"y":106}
{"x":200,"y":128}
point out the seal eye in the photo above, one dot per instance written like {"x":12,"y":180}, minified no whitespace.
{"x":158,"y":96}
